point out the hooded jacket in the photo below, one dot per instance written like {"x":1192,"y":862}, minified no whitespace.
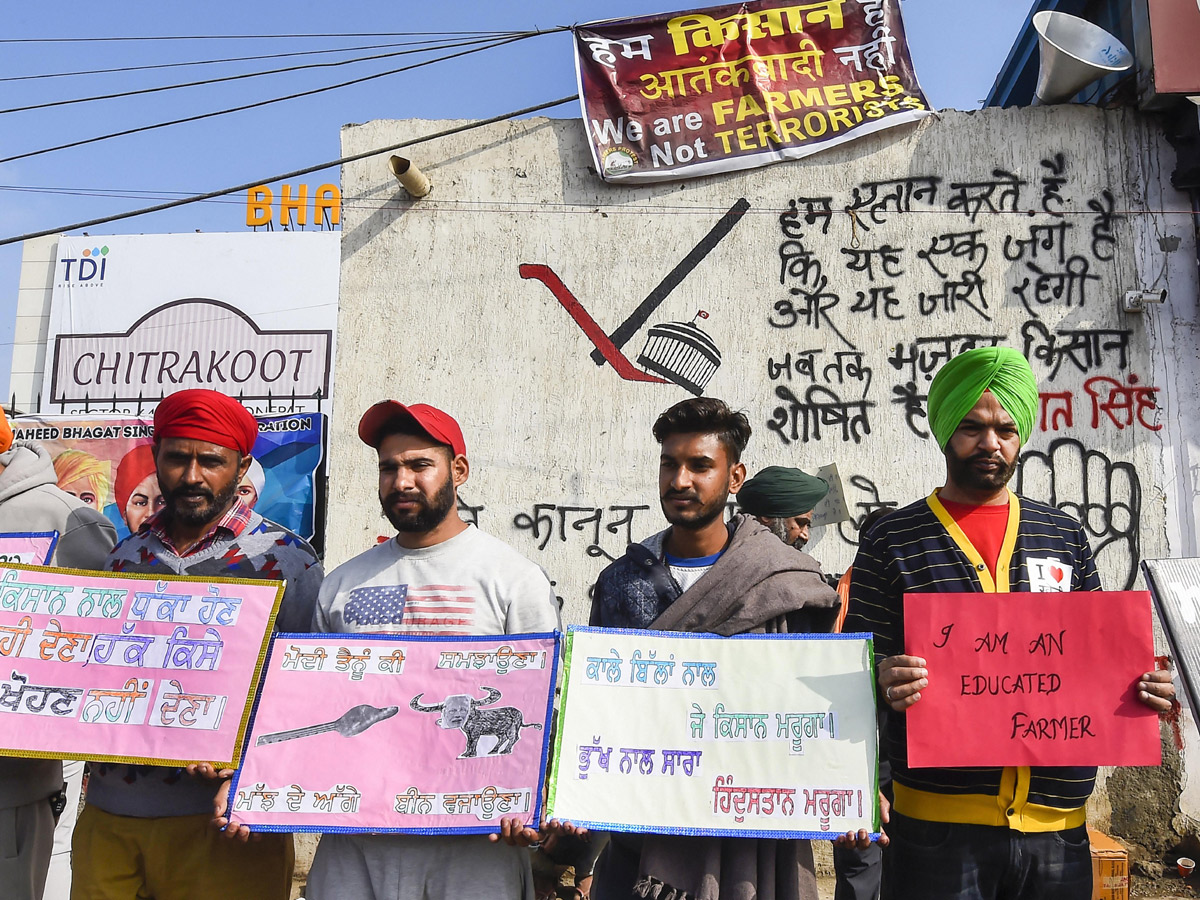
{"x":30,"y":500}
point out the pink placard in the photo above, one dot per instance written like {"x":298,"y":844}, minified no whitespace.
{"x":33,"y":548}
{"x":1032,"y":679}
{"x":398,"y":733}
{"x":129,"y":668}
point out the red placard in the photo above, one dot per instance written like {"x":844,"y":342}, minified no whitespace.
{"x":1032,"y":679}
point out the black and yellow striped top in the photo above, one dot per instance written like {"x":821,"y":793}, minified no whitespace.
{"x":920,"y":548}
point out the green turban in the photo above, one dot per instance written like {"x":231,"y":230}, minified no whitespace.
{"x":962,"y":381}
{"x":778,"y":492}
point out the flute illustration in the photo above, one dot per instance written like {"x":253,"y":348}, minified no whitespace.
{"x":353,"y":722}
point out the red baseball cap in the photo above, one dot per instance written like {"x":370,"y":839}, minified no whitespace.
{"x":438,"y":425}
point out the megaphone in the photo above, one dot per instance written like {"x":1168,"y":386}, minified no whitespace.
{"x":1074,"y":53}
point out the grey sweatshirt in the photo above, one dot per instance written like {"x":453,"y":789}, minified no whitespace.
{"x":30,"y":500}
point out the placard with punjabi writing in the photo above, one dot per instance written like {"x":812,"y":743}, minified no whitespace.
{"x":32,"y":548}
{"x":118,"y":667}
{"x":678,"y":95}
{"x":1032,"y":679}
{"x":748,"y":736}
{"x":398,"y":733}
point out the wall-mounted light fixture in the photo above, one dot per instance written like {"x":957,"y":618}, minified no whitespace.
{"x":1135,"y":301}
{"x":410,"y":177}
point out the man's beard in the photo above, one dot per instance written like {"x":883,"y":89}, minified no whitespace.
{"x":198,"y":515}
{"x":429,"y":514}
{"x":696,"y":518}
{"x":964,"y":473}
{"x":779,"y":528}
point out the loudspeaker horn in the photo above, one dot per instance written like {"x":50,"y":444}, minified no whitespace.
{"x":1074,"y":53}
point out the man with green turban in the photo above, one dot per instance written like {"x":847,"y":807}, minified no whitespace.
{"x":970,"y":834}
{"x":783,"y":498}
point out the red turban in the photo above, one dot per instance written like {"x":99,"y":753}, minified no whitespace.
{"x":206,"y":416}
{"x":134,"y":468}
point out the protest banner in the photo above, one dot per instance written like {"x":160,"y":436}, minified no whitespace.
{"x":1175,"y":586}
{"x":118,"y":667}
{"x":678,"y":95}
{"x":33,"y":548}
{"x":106,"y":462}
{"x":749,"y":736}
{"x":398,"y":733}
{"x":1031,"y":679}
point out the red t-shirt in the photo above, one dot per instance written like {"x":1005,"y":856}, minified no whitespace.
{"x":984,"y":527}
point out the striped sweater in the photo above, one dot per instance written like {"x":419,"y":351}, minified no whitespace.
{"x":920,"y":548}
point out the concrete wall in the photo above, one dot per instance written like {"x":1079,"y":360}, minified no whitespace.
{"x":1023,"y":226}
{"x":34,"y":291}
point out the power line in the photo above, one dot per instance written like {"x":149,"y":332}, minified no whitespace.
{"x":238,"y":77}
{"x":211,"y":62}
{"x":250,"y":37}
{"x":222,"y":112}
{"x":286,"y":175}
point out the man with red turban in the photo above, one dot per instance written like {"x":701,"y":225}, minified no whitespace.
{"x":145,"y":829}
{"x":136,"y":491}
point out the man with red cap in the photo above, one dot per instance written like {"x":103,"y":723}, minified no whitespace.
{"x":145,"y":831}
{"x":396,"y":587}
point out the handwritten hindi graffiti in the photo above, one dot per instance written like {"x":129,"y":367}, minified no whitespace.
{"x":472,"y":714}
{"x":697,"y":734}
{"x":1043,"y":680}
{"x":129,"y":668}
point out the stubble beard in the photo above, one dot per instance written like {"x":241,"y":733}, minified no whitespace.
{"x":695,"y":520}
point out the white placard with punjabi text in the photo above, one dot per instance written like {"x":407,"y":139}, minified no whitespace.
{"x":749,"y":736}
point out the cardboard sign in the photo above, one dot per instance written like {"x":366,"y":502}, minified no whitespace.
{"x":129,"y":668}
{"x":1029,"y":679}
{"x":678,"y":95}
{"x":31,"y":548}
{"x":749,"y":736}
{"x":398,"y":733}
{"x":1175,"y":587}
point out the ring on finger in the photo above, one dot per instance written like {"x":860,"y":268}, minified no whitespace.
{"x":888,"y":693}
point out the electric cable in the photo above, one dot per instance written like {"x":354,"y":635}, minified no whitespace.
{"x":171,"y":204}
{"x":240,"y":76}
{"x":222,"y":112}
{"x":212,"y":62}
{"x":245,"y":37}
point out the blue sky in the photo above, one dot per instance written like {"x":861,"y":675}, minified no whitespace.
{"x":957,"y":47}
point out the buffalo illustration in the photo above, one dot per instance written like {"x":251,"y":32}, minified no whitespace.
{"x":464,"y":712}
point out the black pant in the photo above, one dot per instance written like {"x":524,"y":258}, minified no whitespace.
{"x":946,"y":861}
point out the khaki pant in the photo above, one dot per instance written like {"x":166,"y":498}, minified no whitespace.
{"x":174,"y":858}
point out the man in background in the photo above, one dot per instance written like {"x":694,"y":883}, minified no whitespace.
{"x":783,"y":499}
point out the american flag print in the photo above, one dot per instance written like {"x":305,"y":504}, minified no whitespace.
{"x":430,"y":608}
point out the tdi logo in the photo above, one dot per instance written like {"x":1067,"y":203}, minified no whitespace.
{"x":88,"y":270}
